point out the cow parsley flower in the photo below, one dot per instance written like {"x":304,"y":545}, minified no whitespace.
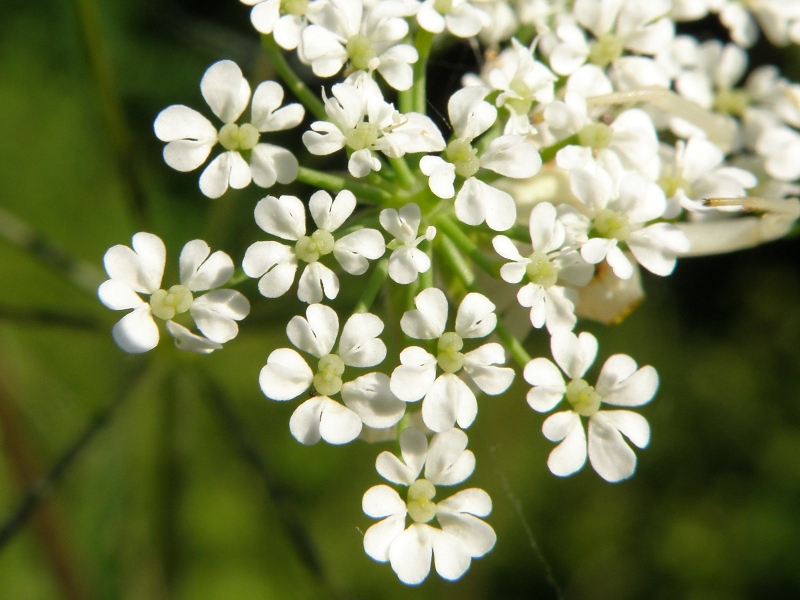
{"x":284,"y":19}
{"x":620,"y":384}
{"x":447,"y":398}
{"x":191,"y":136}
{"x":285,"y":217}
{"x":138,"y":270}
{"x":508,"y":155}
{"x":367,"y":399}
{"x":460,"y":17}
{"x":460,"y":536}
{"x":551,"y":304}
{"x":406,"y":261}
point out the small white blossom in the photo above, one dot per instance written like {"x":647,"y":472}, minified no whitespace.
{"x":367,"y":399}
{"x":549,"y":263}
{"x":191,"y":136}
{"x":460,"y":17}
{"x":406,"y":261}
{"x":460,"y":536}
{"x":362,"y":121}
{"x":620,"y":384}
{"x":285,"y":217}
{"x":284,"y":19}
{"x":447,"y":399}
{"x":139,"y":271}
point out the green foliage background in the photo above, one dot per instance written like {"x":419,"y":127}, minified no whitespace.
{"x":162,"y":504}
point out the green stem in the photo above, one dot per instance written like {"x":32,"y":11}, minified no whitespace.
{"x":373,"y":287}
{"x":550,"y":152}
{"x":462,"y":270}
{"x":465,"y":244}
{"x":426,"y":278}
{"x":401,"y":168}
{"x":292,"y":80}
{"x":423,"y":45}
{"x":336,"y":183}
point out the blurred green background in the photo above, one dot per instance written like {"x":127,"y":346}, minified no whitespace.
{"x":163,"y":502}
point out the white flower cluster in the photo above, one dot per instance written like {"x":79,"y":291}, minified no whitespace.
{"x":603,"y":143}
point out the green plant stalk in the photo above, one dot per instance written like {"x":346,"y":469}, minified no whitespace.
{"x":403,"y":172}
{"x":451,"y":229}
{"x":373,"y":286}
{"x":310,"y":100}
{"x":336,"y":183}
{"x":423,"y":45}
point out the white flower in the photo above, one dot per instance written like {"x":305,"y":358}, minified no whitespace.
{"x":385,"y":129}
{"x":447,"y":398}
{"x":367,"y":37}
{"x":508,"y":155}
{"x":619,"y":384}
{"x":276,"y":264}
{"x":460,"y":17}
{"x":550,"y":261}
{"x":284,"y":19}
{"x":367,"y":398}
{"x":460,"y":536}
{"x":780,"y":147}
{"x":406,"y":261}
{"x":191,"y":136}
{"x":139,"y":271}
{"x":620,"y":216}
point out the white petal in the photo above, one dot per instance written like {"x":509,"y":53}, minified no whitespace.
{"x":321,"y":417}
{"x":353,"y":250}
{"x":469,"y":114}
{"x":549,"y":387}
{"x":406,"y":263}
{"x":379,"y":538}
{"x":473,"y":534}
{"x":413,"y":449}
{"x":382,"y":501}
{"x":479,"y":366}
{"x":610,"y":456}
{"x":428,"y":321}
{"x":441,"y":173}
{"x":619,"y":263}
{"x":274,"y":263}
{"x":142,"y":267}
{"x":317,"y":333}
{"x":573,"y":353}
{"x":187,"y":155}
{"x":266,"y":99}
{"x":117,"y":295}
{"x":269,"y":164}
{"x":200,"y":272}
{"x":226,"y":90}
{"x":655,"y":247}
{"x":449,"y":555}
{"x":284,"y":217}
{"x":316,"y":280}
{"x":180,"y":122}
{"x":229,"y":168}
{"x":285,"y":376}
{"x":136,"y":332}
{"x":359,"y":345}
{"x":370,"y":397}
{"x":449,"y":401}
{"x":511,"y":156}
{"x":328,"y":213}
{"x":191,"y":342}
{"x":414,"y":377}
{"x":570,"y":455}
{"x":477,"y":202}
{"x":475,"y":317}
{"x":449,"y":462}
{"x":216,"y":314}
{"x":473,"y":501}
{"x":410,"y":554}
{"x":621,"y":384}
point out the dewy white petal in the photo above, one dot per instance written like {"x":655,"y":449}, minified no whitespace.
{"x":274,"y":263}
{"x":317,"y":333}
{"x":225,"y":90}
{"x":479,"y":365}
{"x":316,"y":280}
{"x":410,"y":554}
{"x":428,"y":321}
{"x":475,"y":317}
{"x":191,"y":342}
{"x":570,"y":455}
{"x":321,"y":417}
{"x":199,"y":271}
{"x":449,"y":401}
{"x":370,"y":397}
{"x":354,"y":249}
{"x":414,"y":377}
{"x":284,"y":217}
{"x":285,"y":376}
{"x":136,"y":332}
{"x":359,"y":345}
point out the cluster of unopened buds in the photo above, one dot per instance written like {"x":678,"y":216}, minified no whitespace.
{"x":595,"y":141}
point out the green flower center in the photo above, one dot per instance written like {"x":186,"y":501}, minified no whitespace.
{"x":419,"y":503}
{"x":449,"y":358}
{"x":238,"y":137}
{"x":294,"y":7}
{"x":611,"y":224}
{"x":310,"y":248}
{"x":732,"y":102}
{"x":443,"y":6}
{"x":671,"y":182}
{"x":165,"y":304}
{"x":328,"y":380}
{"x":605,"y":50}
{"x":359,"y":49}
{"x":363,"y":136}
{"x":465,"y":158}
{"x":541,"y":270}
{"x":596,"y":136}
{"x":583,"y":398}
